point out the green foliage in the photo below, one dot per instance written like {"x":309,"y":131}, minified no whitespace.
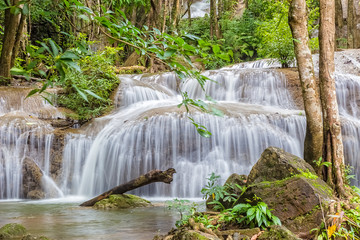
{"x":276,"y":40}
{"x":88,"y":94}
{"x":252,"y":215}
{"x":184,"y":207}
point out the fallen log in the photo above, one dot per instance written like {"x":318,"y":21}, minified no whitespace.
{"x":150,"y":177}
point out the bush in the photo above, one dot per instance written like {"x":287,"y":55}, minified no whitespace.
{"x":99,"y":80}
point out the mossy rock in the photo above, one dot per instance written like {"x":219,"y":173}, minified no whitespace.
{"x":32,"y":237}
{"x":12,"y":230}
{"x":121,"y":201}
{"x":276,"y":232}
{"x":193,"y":235}
{"x":276,"y":164}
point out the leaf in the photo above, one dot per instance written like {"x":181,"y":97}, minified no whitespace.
{"x":25,"y":9}
{"x":19,"y":71}
{"x":32,"y":92}
{"x":204,"y":133}
{"x":216,"y":49}
{"x":84,"y":17}
{"x":54,"y":48}
{"x":82,"y":94}
{"x":91,"y":93}
{"x":168,"y":53}
{"x":69,"y":56}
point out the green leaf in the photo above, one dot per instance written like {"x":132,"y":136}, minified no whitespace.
{"x":17,"y":71}
{"x":25,"y":9}
{"x":82,"y":94}
{"x":91,"y":93}
{"x":54,"y":48}
{"x":168,"y":53}
{"x":84,"y":17}
{"x":69,"y":56}
{"x":32,"y":92}
{"x":216,"y":49}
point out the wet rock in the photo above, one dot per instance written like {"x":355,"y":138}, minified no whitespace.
{"x":121,"y":201}
{"x":32,"y":176}
{"x":12,"y":230}
{"x":276,"y":232}
{"x":276,"y":164}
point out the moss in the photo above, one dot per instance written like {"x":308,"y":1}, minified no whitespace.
{"x":121,"y":201}
{"x":12,"y":230}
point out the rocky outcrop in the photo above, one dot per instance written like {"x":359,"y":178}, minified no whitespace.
{"x":32,"y":176}
{"x":289,"y":186}
{"x":276,"y":164}
{"x":121,"y":201}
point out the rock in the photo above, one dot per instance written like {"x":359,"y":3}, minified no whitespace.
{"x":121,"y":201}
{"x":289,"y":186}
{"x":32,"y":176}
{"x":193,"y":235}
{"x":32,"y":237}
{"x":241,"y":233}
{"x":12,"y":230}
{"x":276,"y":232}
{"x":276,"y":164}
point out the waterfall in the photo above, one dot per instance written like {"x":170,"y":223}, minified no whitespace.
{"x":25,"y":142}
{"x":147,"y":130}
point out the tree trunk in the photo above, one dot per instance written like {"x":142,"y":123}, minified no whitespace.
{"x":189,"y":2}
{"x":214,"y":27}
{"x":350,"y":24}
{"x":175,"y":13}
{"x":18,"y":38}
{"x":339,"y":22}
{"x":311,"y":94}
{"x":150,"y":177}
{"x":10,"y":32}
{"x":332,"y":127}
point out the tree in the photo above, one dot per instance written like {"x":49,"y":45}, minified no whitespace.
{"x":14,"y":25}
{"x":214,"y":24}
{"x":311,"y":93}
{"x":331,"y":146}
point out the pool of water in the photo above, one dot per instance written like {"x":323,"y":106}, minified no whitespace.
{"x":64,"y":219}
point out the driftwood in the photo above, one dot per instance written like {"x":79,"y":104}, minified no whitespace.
{"x":150,"y":177}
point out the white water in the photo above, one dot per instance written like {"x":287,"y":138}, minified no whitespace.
{"x":148,"y":131}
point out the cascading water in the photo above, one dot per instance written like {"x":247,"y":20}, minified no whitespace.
{"x":148,"y":131}
{"x":25,"y":142}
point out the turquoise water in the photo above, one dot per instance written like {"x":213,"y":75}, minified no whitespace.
{"x":58,"y":219}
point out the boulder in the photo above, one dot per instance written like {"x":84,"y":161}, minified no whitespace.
{"x":276,"y":164}
{"x":289,"y":186}
{"x":276,"y":232}
{"x":32,"y":176}
{"x":32,"y":237}
{"x":121,"y":201}
{"x":12,"y":230}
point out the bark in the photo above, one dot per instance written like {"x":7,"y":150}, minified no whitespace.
{"x":165,"y":11}
{"x":189,"y":2}
{"x":332,"y":127}
{"x":214,"y":26}
{"x":150,"y":177}
{"x":10,"y":31}
{"x":175,"y":13}
{"x":18,"y":38}
{"x":339,"y":22}
{"x":350,"y":24}
{"x":311,"y":94}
